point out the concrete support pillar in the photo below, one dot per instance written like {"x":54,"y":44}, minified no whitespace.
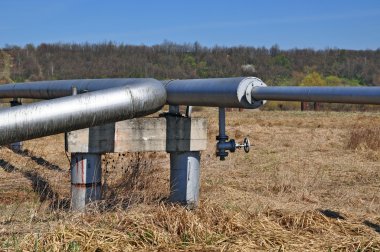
{"x":86,"y":179}
{"x":184,"y":178}
{"x":185,"y":163}
{"x":182,"y":137}
{"x":303,"y":106}
{"x":17,"y":146}
{"x":316,"y":106}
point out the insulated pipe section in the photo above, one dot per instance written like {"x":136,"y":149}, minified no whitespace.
{"x":80,"y":111}
{"x":214,"y":92}
{"x":61,"y":88}
{"x":354,"y":95}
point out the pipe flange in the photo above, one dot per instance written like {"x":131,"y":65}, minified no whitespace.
{"x":222,"y":138}
{"x":254,"y":82}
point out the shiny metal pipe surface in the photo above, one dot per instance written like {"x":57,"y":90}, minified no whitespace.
{"x":81,"y":111}
{"x":213,"y":92}
{"x":354,"y":95}
{"x":61,"y":88}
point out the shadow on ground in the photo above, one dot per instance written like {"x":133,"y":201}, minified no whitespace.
{"x":331,"y":214}
{"x":40,"y":185}
{"x":372,"y":225}
{"x":39,"y":160}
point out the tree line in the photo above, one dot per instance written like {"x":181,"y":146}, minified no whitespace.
{"x":169,"y":60}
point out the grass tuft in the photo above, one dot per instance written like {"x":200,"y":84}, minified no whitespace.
{"x":365,"y":137}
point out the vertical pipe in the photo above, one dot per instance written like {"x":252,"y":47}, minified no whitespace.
{"x":189,"y":110}
{"x":74,"y":90}
{"x":222,"y":145}
{"x":174,"y":110}
{"x":184,"y":178}
{"x":222,"y":122}
{"x":85,"y":179}
{"x":16,"y":146}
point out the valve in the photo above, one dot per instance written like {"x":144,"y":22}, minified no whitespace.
{"x":245,"y":145}
{"x":223,"y":145}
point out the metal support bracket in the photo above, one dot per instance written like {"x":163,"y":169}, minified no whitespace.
{"x":16,"y":146}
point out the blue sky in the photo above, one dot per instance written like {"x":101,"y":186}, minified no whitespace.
{"x":350,"y":24}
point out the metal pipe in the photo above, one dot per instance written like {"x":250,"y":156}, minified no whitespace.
{"x":74,"y":90}
{"x":354,"y":95}
{"x":189,"y":110}
{"x":174,"y":110}
{"x":61,"y":88}
{"x":249,"y":92}
{"x":226,"y":92}
{"x":222,"y":123}
{"x":213,"y":92}
{"x":222,"y":146}
{"x":80,"y":111}
{"x":16,"y":146}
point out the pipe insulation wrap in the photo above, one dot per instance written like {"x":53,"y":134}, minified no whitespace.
{"x":213,"y":92}
{"x":60,"y":88}
{"x":353,"y":95}
{"x":81,"y":111}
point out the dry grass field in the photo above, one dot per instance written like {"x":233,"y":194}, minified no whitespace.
{"x":310,"y":183}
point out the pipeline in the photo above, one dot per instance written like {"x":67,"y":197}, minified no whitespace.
{"x":81,"y":111}
{"x":241,"y":92}
{"x":61,"y":88}
{"x":353,"y":95}
{"x":214,"y":92}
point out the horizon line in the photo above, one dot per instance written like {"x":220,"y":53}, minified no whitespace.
{"x":277,"y":45}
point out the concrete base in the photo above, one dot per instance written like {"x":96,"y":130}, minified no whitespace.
{"x":184,"y":178}
{"x":86,"y":177}
{"x":182,"y":137}
{"x":141,"y":134}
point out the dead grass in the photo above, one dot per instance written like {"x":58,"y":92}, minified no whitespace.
{"x":211,"y":227}
{"x":304,"y":187}
{"x":365,"y":137}
{"x":132,"y":178}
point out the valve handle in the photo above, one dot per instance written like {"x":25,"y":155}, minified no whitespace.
{"x":246,"y":145}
